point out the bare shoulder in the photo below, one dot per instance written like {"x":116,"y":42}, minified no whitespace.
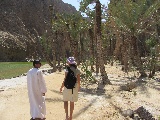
{"x":77,"y":71}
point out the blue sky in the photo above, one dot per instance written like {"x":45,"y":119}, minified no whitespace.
{"x":75,"y":3}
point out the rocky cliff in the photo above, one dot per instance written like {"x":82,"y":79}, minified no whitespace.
{"x":17,"y":15}
{"x":19,"y":19}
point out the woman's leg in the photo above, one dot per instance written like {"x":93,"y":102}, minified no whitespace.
{"x":66,"y":109}
{"x":71,"y":109}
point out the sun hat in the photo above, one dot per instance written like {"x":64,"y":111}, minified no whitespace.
{"x":36,"y":62}
{"x":71,"y":60}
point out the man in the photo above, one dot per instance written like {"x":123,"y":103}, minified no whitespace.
{"x":36,"y":92}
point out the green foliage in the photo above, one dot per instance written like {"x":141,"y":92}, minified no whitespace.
{"x":73,"y":23}
{"x":134,"y":93}
{"x":64,"y":62}
{"x":90,"y":12}
{"x":84,"y":4}
{"x":129,"y":20}
{"x":151,"y":61}
{"x":131,"y":16}
{"x":151,"y":43}
{"x":45,"y":44}
{"x":87,"y":76}
{"x":76,"y":27}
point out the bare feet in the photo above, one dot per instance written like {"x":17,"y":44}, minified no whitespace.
{"x":68,"y":118}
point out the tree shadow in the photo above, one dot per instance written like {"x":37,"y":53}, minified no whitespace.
{"x":117,"y":108}
{"x":154,"y":84}
{"x":56,"y":91}
{"x":139,"y":83}
{"x":54,"y":100}
{"x":125,"y":113}
{"x":88,"y":91}
{"x":84,"y":108}
{"x":157,"y":87}
{"x":93,"y":91}
{"x":142,"y":86}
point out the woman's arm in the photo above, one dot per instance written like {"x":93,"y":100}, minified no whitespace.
{"x":63,"y":82}
{"x":78,"y":80}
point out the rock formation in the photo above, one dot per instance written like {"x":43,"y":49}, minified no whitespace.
{"x":20,"y":20}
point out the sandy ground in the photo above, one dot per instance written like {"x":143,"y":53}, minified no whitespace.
{"x":106,"y":105}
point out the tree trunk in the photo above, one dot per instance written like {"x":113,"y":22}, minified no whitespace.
{"x":105,"y":79}
{"x":82,"y":49}
{"x":91,"y":35}
{"x":96,"y":54}
{"x":59,"y":50}
{"x":136,"y":56}
{"x":67,"y":42}
{"x":54,"y":52}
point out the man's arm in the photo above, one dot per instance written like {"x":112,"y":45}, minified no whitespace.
{"x":42,"y":83}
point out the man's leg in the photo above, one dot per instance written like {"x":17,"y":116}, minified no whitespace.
{"x":66,"y":109}
{"x":71,"y":109}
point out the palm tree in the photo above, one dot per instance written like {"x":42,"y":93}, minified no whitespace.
{"x":130,"y":19}
{"x":99,"y":42}
{"x":97,"y":36}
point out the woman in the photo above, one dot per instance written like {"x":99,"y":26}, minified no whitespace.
{"x":71,"y":94}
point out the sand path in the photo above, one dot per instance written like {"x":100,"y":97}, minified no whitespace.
{"x":14,"y":103}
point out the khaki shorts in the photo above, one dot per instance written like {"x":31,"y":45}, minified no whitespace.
{"x":68,"y":96}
